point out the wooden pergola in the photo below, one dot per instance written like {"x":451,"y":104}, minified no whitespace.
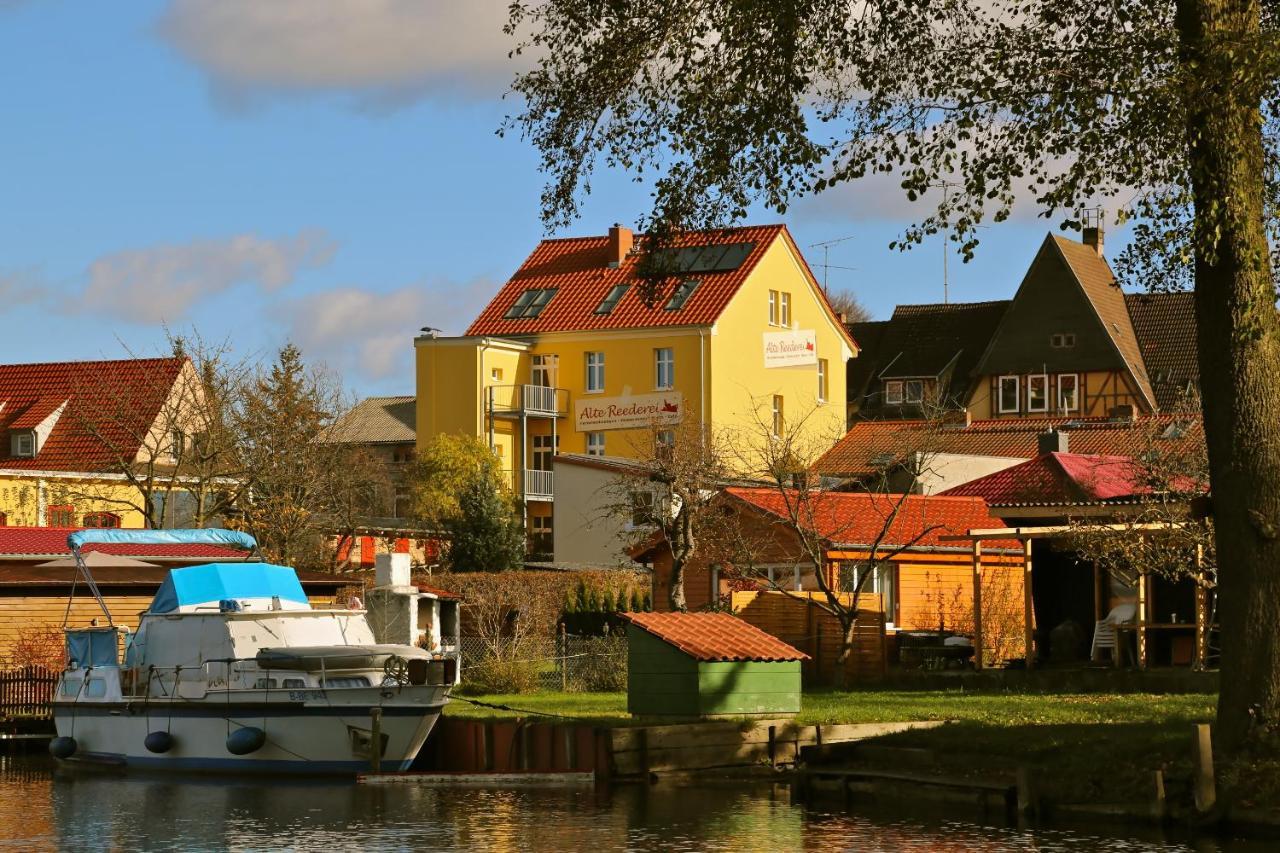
{"x":1025,"y":535}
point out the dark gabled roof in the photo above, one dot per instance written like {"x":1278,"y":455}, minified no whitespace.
{"x":1165,"y":325}
{"x":923,"y":341}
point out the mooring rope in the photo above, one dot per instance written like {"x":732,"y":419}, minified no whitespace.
{"x":498,"y":707}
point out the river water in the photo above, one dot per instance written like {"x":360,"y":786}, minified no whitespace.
{"x":44,"y":809}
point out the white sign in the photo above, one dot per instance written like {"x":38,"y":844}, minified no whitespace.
{"x":789,"y":349}
{"x":638,"y":410}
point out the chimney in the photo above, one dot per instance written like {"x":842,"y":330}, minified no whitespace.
{"x":620,"y":240}
{"x":1052,"y":441}
{"x":1092,"y":234}
{"x":957,"y":419}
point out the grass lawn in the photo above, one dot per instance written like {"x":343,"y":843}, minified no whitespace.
{"x":1090,"y":747}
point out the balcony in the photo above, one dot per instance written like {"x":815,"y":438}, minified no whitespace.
{"x":539,"y":485}
{"x":536,"y":400}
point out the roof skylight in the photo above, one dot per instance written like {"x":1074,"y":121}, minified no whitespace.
{"x":530,"y":303}
{"x":612,"y":298}
{"x":681,"y":294}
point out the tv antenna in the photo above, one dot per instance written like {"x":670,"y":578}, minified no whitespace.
{"x":946,"y":237}
{"x":826,"y":249}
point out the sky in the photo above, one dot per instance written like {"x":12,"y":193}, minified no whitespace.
{"x":327,"y":173}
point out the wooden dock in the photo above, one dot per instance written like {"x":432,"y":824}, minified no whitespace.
{"x":522,"y":779}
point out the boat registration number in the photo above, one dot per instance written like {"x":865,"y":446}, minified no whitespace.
{"x":305,"y":695}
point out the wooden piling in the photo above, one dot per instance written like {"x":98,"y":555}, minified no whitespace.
{"x":1206,"y":791}
{"x":375,"y":740}
{"x":1159,"y":803}
{"x":1028,"y":793}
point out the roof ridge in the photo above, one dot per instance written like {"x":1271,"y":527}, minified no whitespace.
{"x":100,"y":361}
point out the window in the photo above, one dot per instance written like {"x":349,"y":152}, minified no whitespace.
{"x":822,"y":380}
{"x":595,"y":444}
{"x":880,"y":579}
{"x":541,"y":538}
{"x":543,"y":450}
{"x":664,"y":364}
{"x":1009,"y":393}
{"x":95,"y":688}
{"x":177,"y":444}
{"x":1062,"y":340}
{"x":545,"y":370}
{"x":61,"y":515}
{"x":530,"y":303}
{"x":893,"y":392}
{"x":23,"y":444}
{"x":784,"y":310}
{"x":1038,"y":393}
{"x":496,"y":374}
{"x":773,"y":307}
{"x":99,"y":519}
{"x":778,"y":424}
{"x":1068,"y":397}
{"x":612,"y":298}
{"x":665,"y":442}
{"x":265,"y":684}
{"x":295,"y":683}
{"x":681,"y":294}
{"x":595,"y":372}
{"x":915,"y":390}
{"x":641,"y":509}
{"x":345,"y":681}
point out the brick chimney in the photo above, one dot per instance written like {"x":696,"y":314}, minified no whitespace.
{"x":1093,"y":232}
{"x":1052,"y":441}
{"x":620,"y":240}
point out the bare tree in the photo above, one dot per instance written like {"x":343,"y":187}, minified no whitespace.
{"x":667,"y":496}
{"x":847,"y":306}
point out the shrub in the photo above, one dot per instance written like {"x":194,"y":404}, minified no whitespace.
{"x":514,"y":673}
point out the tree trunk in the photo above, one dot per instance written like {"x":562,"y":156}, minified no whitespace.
{"x":675,"y":586}
{"x":1238,"y":353}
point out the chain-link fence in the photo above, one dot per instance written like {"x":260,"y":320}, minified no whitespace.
{"x":564,"y":662}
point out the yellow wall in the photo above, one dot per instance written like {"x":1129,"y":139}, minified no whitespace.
{"x":20,"y":498}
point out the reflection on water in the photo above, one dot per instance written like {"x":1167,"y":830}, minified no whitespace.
{"x":41,"y":809}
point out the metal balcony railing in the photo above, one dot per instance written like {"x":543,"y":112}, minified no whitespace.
{"x":528,"y":399}
{"x":539,"y":485}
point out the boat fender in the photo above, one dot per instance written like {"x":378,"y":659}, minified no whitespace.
{"x":246,"y":740}
{"x":158,"y":742}
{"x":62,"y":747}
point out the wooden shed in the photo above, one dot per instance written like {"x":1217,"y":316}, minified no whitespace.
{"x":708,"y":665}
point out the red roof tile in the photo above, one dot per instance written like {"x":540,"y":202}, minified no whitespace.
{"x":715,"y":637}
{"x":1062,"y":478}
{"x":578,"y":268}
{"x":120,"y":399}
{"x":50,"y":542}
{"x":856,"y":520}
{"x":870,"y":445}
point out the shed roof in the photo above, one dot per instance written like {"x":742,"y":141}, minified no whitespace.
{"x":50,"y":542}
{"x":715,"y":637}
{"x":1065,"y":478}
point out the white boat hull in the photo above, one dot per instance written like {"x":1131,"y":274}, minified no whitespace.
{"x":306,"y":731}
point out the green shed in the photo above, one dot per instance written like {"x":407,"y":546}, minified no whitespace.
{"x":708,"y":665}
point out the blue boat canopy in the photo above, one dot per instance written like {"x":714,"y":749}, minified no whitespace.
{"x":200,"y":536}
{"x":187,"y":588}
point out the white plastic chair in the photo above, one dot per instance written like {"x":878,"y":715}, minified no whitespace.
{"x":1104,"y":630}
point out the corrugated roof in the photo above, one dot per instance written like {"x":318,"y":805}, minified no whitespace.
{"x":377,"y":420}
{"x":1165,"y":325}
{"x":579,"y":270}
{"x":119,"y":399}
{"x":715,"y":637}
{"x":858,"y":519}
{"x":858,"y":452}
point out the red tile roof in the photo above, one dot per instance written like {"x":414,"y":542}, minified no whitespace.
{"x":870,"y":445}
{"x":1064,"y":478}
{"x":715,"y":637}
{"x":146,"y":578}
{"x":578,"y":268}
{"x":49,"y":542}
{"x":120,"y":399}
{"x":855,"y":520}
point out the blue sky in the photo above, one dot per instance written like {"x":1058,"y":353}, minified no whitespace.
{"x":322,"y":171}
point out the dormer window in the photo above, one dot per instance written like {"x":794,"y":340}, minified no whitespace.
{"x":914,"y":390}
{"x":1062,"y":340}
{"x":893,"y":392}
{"x":23,"y":443}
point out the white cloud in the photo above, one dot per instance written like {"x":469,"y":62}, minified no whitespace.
{"x":371,"y":333}
{"x":384,"y":52}
{"x":21,"y":287}
{"x":161,"y":283}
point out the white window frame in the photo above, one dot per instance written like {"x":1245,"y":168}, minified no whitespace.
{"x":543,"y":446}
{"x":906,"y":391}
{"x":1001,"y":403}
{"x":594,"y":362}
{"x":24,"y":444}
{"x":1075,"y":392}
{"x":822,"y":380}
{"x":893,"y":392}
{"x":1031,"y":406}
{"x":664,"y":368}
{"x":549,"y":368}
{"x":773,"y":307}
{"x":595,"y":444}
{"x":784,"y":309}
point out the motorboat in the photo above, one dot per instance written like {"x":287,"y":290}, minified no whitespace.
{"x":230,"y":668}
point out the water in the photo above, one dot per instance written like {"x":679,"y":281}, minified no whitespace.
{"x":41,"y":809}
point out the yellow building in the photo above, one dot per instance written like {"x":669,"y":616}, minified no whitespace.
{"x":568,"y":357}
{"x":76,"y":438}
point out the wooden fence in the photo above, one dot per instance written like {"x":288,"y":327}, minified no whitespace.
{"x":798,"y":619}
{"x":27,"y":692}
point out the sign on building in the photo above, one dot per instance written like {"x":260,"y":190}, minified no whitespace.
{"x":636,"y":410}
{"x":790,"y":349}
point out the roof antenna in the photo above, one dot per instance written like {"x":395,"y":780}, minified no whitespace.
{"x":826,"y":248}
{"x":946,"y":237}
